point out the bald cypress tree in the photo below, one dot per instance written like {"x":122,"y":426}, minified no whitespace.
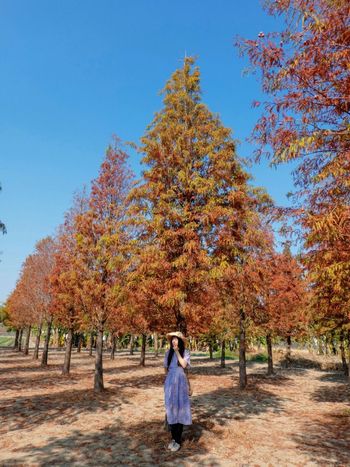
{"x":194,"y":203}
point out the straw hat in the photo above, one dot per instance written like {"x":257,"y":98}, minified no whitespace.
{"x":177,"y":334}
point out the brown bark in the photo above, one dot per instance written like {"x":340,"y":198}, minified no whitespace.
{"x":44,"y":356}
{"x":210,"y":350}
{"x":15,"y":345}
{"x":37,"y":342}
{"x":181,"y":324}
{"x":60,"y":338}
{"x":222,"y":360}
{"x":98,"y":382}
{"x":349,"y":355}
{"x":55,"y":337}
{"x":156,"y":351}
{"x":320,"y":346}
{"x":19,"y":348}
{"x":131,"y":347}
{"x":289,"y":351}
{"x":91,"y":343}
{"x":80,"y":341}
{"x":342,"y":353}
{"x":242,"y":350}
{"x":26,"y":345}
{"x":68,"y":353}
{"x":269,"y":354}
{"x":326,"y":345}
{"x":114,"y":346}
{"x":143,"y":350}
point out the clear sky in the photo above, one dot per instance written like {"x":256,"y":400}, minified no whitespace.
{"x":74,"y":72}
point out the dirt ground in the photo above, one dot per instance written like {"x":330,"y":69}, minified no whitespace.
{"x":299,"y":417}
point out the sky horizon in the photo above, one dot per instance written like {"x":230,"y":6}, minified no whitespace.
{"x":74,"y":73}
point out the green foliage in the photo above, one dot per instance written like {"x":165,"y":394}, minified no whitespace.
{"x":6,"y":341}
{"x":259,"y":358}
{"x":229,"y":355}
{"x":3,"y":314}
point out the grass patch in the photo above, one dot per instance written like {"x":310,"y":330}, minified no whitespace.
{"x":260,"y":358}
{"x":6,"y":341}
{"x":229,"y":355}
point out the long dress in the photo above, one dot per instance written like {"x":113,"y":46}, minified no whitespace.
{"x":177,"y":400}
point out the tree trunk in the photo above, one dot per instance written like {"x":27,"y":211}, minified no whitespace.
{"x":55,"y":337}
{"x":37,"y":342}
{"x":80,"y":341}
{"x":222,"y":361}
{"x":68,"y":353}
{"x":320,"y":346}
{"x":98,"y":384}
{"x":91,"y":343}
{"x":242,"y":357}
{"x":47,"y":342}
{"x":15,"y":345}
{"x":114,"y":345}
{"x":131,"y":347}
{"x":20,"y":340}
{"x":326,"y":344}
{"x":334,"y":348}
{"x":60,"y":338}
{"x":118,"y":344}
{"x":181,"y":324}
{"x":143,"y":350}
{"x":156,"y":351}
{"x":342,"y":353}
{"x":289,"y":351}
{"x":349,"y":355}
{"x":210,"y":350}
{"x":269,"y":354}
{"x":26,"y":346}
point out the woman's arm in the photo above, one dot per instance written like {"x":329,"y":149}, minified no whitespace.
{"x":182,"y":361}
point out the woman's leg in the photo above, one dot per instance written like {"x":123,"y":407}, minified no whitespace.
{"x":173,"y":429}
{"x":180,"y":428}
{"x":178,"y":432}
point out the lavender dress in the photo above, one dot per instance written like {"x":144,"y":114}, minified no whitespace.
{"x":177,"y":401}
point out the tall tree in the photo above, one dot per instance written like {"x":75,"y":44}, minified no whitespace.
{"x":29,"y":304}
{"x":283,"y":306}
{"x":68,"y":300}
{"x":44,"y":253}
{"x":192,"y":182}
{"x":102,"y":239}
{"x":305,"y":73}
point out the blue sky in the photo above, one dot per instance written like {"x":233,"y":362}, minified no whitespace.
{"x":75,"y":72}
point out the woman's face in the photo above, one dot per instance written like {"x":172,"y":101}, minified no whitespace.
{"x":175,"y":342}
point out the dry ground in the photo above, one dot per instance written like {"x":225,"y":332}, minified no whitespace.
{"x":299,"y":417}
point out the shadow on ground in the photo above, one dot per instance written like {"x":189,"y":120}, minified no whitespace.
{"x":42,"y":380}
{"x":326,"y":440}
{"x":308,"y":363}
{"x":338,"y":392}
{"x":332,"y":377}
{"x":138,"y":444}
{"x":225,"y":404}
{"x":62,"y":407}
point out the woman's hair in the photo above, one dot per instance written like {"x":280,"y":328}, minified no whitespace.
{"x":181,"y":350}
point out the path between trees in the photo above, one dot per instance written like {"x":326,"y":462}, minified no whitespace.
{"x":299,"y":417}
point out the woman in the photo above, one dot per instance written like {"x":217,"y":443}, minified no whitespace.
{"x":176,"y":390}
